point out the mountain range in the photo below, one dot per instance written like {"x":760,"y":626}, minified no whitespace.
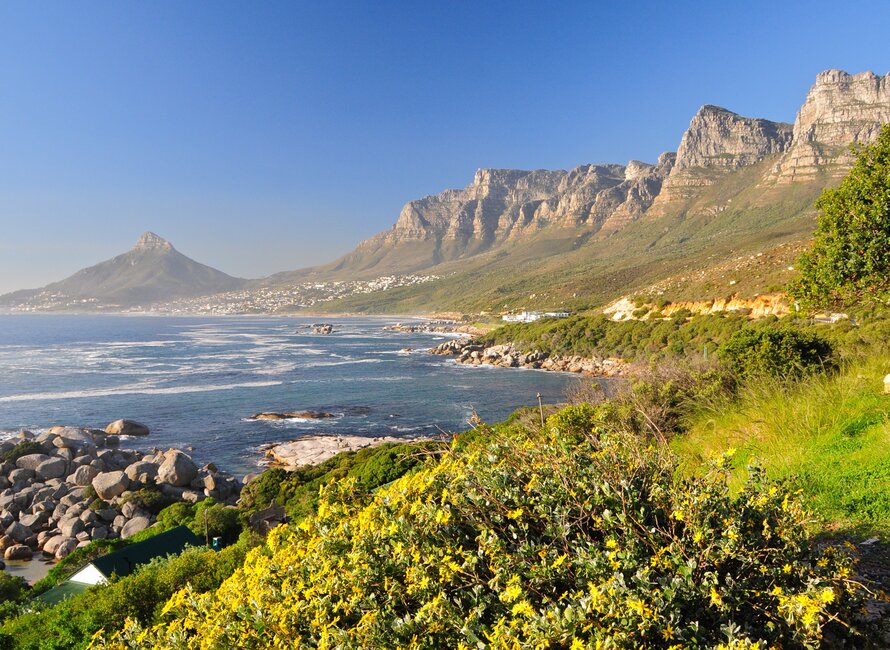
{"x":736,"y":186}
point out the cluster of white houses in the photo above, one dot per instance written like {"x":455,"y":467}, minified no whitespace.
{"x":531,"y":316}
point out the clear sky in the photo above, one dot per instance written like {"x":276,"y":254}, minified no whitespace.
{"x":268,"y":136}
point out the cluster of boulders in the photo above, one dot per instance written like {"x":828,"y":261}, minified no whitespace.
{"x":444,"y":327}
{"x":75,"y":485}
{"x":507,"y":355}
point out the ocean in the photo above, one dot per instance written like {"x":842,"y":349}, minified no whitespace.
{"x":194,"y":381}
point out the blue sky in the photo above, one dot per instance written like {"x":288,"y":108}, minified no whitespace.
{"x":268,"y":136}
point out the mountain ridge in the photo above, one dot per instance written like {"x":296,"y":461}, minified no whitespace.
{"x":580,"y":237}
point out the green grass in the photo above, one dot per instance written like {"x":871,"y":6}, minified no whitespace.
{"x":828,"y":435}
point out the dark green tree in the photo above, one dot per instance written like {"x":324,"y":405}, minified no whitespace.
{"x":849,"y":261}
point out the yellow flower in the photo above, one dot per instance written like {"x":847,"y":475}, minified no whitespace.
{"x":515,"y":514}
{"x":827,"y":595}
{"x":523,"y":608}
{"x":513,"y":590}
{"x":716,"y":598}
{"x":577,"y":644}
{"x":668,"y":633}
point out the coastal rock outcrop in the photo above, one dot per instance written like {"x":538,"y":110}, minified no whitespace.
{"x":322,"y":328}
{"x":507,"y":355}
{"x":312,"y":450}
{"x":287,"y":415}
{"x":82,"y":490}
{"x":503,"y":205}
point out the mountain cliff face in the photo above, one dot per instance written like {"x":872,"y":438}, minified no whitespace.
{"x":737,"y":185}
{"x":840,"y":109}
{"x":151,"y":271}
{"x":717,"y":143}
{"x":504,"y":205}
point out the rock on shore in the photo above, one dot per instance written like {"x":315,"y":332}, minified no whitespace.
{"x":469,"y":352}
{"x":313,"y":450}
{"x":75,"y":486}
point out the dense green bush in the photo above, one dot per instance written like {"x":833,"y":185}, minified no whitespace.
{"x":297,"y":490}
{"x":140,"y":596}
{"x":782,"y":352}
{"x":216,"y":520}
{"x":21,"y":449}
{"x":532,"y":539}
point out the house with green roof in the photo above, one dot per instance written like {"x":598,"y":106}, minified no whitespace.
{"x":123,"y":562}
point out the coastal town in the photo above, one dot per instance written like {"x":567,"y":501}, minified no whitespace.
{"x":258,"y":300}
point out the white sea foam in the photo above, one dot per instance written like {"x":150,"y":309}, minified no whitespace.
{"x":135,"y":390}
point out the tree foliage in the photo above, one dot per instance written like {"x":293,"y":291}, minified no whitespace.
{"x":849,"y":260}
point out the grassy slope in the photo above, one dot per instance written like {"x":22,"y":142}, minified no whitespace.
{"x":828,"y":435}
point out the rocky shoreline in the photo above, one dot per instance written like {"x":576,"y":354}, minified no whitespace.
{"x":64,"y":488}
{"x":507,"y":355}
{"x":436,"y":327}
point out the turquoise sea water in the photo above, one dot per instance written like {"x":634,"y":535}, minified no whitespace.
{"x":195,"y":380}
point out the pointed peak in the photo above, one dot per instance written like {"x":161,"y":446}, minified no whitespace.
{"x":151,"y":241}
{"x":711,"y":109}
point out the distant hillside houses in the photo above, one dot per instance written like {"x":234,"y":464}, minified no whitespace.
{"x":531,"y":316}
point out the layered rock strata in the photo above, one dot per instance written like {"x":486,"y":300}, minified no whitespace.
{"x":716,"y":143}
{"x":840,"y":109}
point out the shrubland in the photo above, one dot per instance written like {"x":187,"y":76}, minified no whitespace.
{"x":575,"y":536}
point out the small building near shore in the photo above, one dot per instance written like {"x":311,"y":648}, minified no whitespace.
{"x":531,"y":316}
{"x":123,"y":562}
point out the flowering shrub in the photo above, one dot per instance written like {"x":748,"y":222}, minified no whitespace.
{"x":575,"y":537}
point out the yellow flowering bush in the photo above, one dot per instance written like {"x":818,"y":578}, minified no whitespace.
{"x":573,"y":537}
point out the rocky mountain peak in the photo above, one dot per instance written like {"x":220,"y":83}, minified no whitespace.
{"x":151,"y":241}
{"x":840,"y":109}
{"x":717,"y":137}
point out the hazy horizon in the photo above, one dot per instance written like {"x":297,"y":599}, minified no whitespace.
{"x":278,"y":136}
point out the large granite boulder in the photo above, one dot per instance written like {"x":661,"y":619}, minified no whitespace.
{"x":110,"y":484}
{"x":18,"y":532}
{"x":18,"y":552}
{"x":71,"y":438}
{"x":142,"y":471}
{"x":178,"y":469}
{"x":52,"y":468}
{"x":66,"y":547}
{"x":71,"y":526}
{"x":127,"y":428}
{"x":133,"y":526}
{"x":31,"y":461}
{"x":83,"y":475}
